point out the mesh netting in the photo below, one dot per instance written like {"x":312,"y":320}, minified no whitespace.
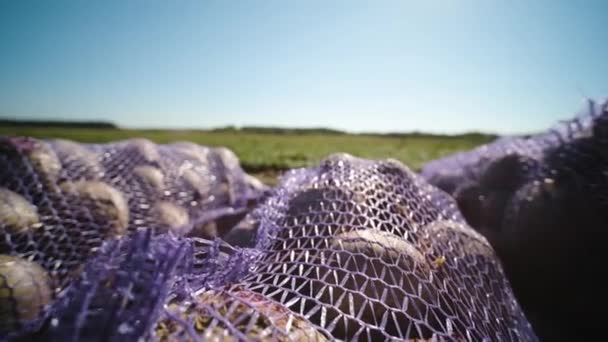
{"x":133,"y":240}
{"x":120,"y":292}
{"x":542,"y":202}
{"x":573,"y":146}
{"x":350,"y":250}
{"x":59,"y":200}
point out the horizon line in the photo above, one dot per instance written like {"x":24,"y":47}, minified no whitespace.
{"x":113,"y":125}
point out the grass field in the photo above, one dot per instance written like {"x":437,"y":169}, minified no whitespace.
{"x":267,"y":154}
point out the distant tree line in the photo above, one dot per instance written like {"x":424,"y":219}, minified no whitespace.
{"x":57,"y":123}
{"x":470,"y":136}
{"x":475,"y":136}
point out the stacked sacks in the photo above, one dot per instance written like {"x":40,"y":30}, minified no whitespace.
{"x":541,"y":200}
{"x":112,"y":241}
{"x":352,"y":249}
{"x":60,"y":200}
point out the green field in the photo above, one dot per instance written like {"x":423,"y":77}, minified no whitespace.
{"x":267,"y":153}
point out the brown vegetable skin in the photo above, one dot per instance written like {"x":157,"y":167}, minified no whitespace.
{"x":172,"y":216}
{"x":25,"y":290}
{"x":16,"y":212}
{"x":146,"y":148}
{"x":108,"y":201}
{"x":71,"y":151}
{"x":45,"y":161}
{"x":150,"y":175}
{"x":349,"y":259}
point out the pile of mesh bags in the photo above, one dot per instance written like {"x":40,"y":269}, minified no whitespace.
{"x":134,"y":240}
{"x":60,"y":201}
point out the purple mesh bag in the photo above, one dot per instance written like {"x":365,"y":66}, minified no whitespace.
{"x":120,"y":292}
{"x":352,"y":249}
{"x":60,"y":200}
{"x":542,"y":202}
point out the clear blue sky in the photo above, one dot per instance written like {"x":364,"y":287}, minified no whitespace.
{"x":438,"y":66}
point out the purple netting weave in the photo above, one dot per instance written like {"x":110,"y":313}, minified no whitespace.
{"x":542,"y":201}
{"x":118,"y":294}
{"x":60,"y":200}
{"x":351,"y":250}
{"x":134,"y":240}
{"x":367,"y":250}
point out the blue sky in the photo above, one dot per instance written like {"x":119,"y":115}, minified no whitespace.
{"x":439,"y":66}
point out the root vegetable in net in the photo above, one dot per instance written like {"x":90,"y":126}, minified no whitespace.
{"x":62,"y":200}
{"x":16,"y":213}
{"x":351,"y":249}
{"x":150,"y":175}
{"x":172,"y":216}
{"x":106,"y":201}
{"x":25,"y":291}
{"x":540,"y":200}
